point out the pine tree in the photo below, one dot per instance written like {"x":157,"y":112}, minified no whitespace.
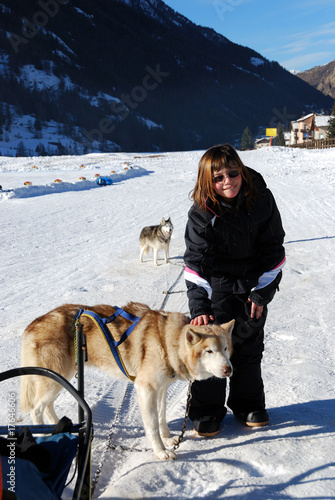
{"x":247,"y":140}
{"x":21,"y":149}
{"x":280,"y":139}
{"x":331,"y":128}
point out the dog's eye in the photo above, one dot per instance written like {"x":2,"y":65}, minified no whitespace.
{"x":209,"y":351}
{"x":226,"y":349}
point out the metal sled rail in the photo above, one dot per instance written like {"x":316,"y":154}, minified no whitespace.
{"x":84,"y":428}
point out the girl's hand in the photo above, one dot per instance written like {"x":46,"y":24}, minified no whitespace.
{"x":204,"y":319}
{"x":256,"y":311}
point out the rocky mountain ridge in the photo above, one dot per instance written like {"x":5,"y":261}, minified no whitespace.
{"x":321,"y":77}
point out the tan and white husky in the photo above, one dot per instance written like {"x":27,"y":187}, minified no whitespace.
{"x":163,"y":347}
{"x":157,"y":238}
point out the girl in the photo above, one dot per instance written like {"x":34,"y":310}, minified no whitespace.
{"x":234,"y":256}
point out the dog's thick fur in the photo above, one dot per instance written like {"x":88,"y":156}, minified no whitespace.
{"x":157,"y":238}
{"x":162,"y":348}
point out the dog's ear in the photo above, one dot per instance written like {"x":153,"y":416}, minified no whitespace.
{"x":228,"y":326}
{"x":163,"y":221}
{"x":192,"y":337}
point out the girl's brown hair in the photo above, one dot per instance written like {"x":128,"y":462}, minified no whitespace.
{"x":215,"y":158}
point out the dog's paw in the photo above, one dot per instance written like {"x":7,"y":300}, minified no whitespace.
{"x":170,"y":441}
{"x":166,"y":455}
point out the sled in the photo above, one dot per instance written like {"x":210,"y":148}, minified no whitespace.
{"x":53,"y":452}
{"x":104,"y":181}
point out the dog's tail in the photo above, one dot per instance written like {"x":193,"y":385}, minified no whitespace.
{"x":27,"y":384}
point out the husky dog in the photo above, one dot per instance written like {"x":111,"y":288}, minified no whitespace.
{"x":162,"y":348}
{"x":156,"y":237}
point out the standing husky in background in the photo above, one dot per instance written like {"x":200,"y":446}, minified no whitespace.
{"x":156,"y":237}
{"x":162,"y":348}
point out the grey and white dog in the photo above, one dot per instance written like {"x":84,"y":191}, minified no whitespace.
{"x":157,"y":238}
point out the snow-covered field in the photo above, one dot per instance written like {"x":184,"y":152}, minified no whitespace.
{"x":76,"y":242}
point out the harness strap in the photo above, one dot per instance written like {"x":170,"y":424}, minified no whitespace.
{"x":113,"y":344}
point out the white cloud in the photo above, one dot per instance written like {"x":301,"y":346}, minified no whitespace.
{"x":312,"y":38}
{"x":306,"y":48}
{"x":306,"y":61}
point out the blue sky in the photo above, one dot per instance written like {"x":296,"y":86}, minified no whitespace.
{"x":299,"y":34}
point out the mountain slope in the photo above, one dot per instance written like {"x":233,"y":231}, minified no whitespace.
{"x":321,"y":77}
{"x":135,"y":75}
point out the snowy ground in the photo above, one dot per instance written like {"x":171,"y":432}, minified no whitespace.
{"x":75,"y":242}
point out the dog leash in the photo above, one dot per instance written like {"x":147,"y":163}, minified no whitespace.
{"x":187,"y":411}
{"x":169,"y":291}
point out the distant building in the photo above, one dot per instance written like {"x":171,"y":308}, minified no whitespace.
{"x":262,"y":142}
{"x":304,"y":129}
{"x":287,"y":137}
{"x":294,"y":133}
{"x":309,"y":127}
{"x":321,"y":124}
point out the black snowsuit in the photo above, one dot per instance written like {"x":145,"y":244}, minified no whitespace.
{"x":230,"y":251}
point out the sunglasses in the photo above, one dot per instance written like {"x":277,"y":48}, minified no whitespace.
{"x":232,"y":174}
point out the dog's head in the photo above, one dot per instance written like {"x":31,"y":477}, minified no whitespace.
{"x":167,"y":226}
{"x":208,"y":349}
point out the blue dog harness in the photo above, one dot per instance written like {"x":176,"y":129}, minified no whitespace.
{"x":113,"y":344}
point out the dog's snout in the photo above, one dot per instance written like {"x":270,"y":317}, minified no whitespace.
{"x":227,"y":371}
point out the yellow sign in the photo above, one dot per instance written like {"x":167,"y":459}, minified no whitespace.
{"x":271,"y":132}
